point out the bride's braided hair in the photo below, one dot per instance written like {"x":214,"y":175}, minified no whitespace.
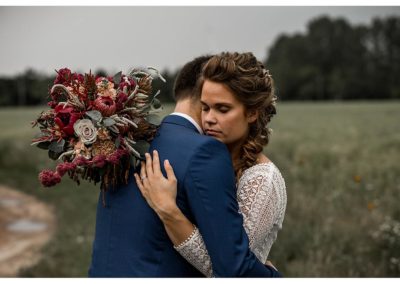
{"x":253,"y":86}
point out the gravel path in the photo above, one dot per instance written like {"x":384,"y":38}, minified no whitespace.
{"x":26,"y":224}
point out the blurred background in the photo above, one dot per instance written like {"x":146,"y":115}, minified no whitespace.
{"x":336,"y":136}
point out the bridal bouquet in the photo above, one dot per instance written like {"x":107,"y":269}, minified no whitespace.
{"x":98,"y":127}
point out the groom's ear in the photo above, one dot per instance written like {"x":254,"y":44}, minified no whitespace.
{"x":252,"y":115}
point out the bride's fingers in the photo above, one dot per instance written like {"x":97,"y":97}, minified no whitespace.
{"x":143,"y":170}
{"x":144,"y":178}
{"x":149,"y":165}
{"x":156,"y":163}
{"x":169,"y":170}
{"x":140,"y":184}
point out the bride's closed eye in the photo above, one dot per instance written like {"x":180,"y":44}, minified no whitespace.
{"x":204,"y":107}
{"x":223,"y":109}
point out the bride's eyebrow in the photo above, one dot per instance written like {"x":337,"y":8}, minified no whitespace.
{"x":218,"y":104}
{"x":223,"y":105}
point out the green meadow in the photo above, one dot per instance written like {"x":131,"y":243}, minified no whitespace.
{"x":340,"y":162}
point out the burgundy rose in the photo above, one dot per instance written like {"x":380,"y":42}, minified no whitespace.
{"x":99,"y":161}
{"x":64,"y":76}
{"x":105,"y":105}
{"x":65,"y":167}
{"x":49,"y":178}
{"x":65,"y":119}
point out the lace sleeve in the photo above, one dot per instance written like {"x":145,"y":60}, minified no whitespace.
{"x":262,"y":201}
{"x":195,"y":252}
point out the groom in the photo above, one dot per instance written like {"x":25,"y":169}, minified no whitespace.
{"x":130,"y":240}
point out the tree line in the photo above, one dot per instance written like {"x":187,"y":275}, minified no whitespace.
{"x":332,"y":60}
{"x":336,"y":61}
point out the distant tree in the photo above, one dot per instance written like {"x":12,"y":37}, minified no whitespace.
{"x":383,"y":44}
{"x":334,"y":60}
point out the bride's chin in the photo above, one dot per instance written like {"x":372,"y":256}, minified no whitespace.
{"x":218,"y":138}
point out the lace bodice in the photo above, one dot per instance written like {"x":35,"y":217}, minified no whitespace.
{"x":261,"y":195}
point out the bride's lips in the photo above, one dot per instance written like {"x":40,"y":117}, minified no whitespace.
{"x":212,"y":132}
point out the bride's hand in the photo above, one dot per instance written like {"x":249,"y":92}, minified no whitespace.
{"x":269,"y":263}
{"x":159,"y":192}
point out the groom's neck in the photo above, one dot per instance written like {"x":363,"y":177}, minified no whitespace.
{"x":191,"y":108}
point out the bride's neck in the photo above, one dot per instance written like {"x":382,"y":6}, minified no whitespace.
{"x":235,"y":152}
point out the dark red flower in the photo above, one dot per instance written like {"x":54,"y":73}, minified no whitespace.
{"x":65,"y":118}
{"x":113,"y":158}
{"x":121,"y":99}
{"x":64,"y":76}
{"x":78,"y":77}
{"x":49,"y":178}
{"x":105,"y":105}
{"x":81,"y":161}
{"x":65,"y":167}
{"x":99,"y":161}
{"x":122,"y":152}
{"x":52,"y":104}
{"x":128,"y":83}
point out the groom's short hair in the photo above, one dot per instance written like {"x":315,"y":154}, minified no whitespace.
{"x":185,"y":82}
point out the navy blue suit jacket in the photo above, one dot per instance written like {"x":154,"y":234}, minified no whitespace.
{"x":130,"y":239}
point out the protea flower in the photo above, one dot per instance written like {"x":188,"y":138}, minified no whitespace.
{"x":105,"y":105}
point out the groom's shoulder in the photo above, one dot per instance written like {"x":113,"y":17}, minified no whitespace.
{"x":209,"y":146}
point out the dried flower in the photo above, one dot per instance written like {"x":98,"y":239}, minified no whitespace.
{"x":65,"y":167}
{"x":121,"y":99}
{"x":103,"y":148}
{"x":99,"y":161}
{"x":105,"y":105}
{"x":81,"y":161}
{"x":49,"y":178}
{"x":103,"y":134}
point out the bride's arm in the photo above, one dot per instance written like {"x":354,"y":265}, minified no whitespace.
{"x":160,"y":194}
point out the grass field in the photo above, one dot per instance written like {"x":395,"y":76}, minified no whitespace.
{"x":340,"y":162}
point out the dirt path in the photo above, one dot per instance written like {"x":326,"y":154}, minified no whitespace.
{"x":26,"y":224}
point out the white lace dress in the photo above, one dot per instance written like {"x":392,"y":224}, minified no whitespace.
{"x":261,"y":195}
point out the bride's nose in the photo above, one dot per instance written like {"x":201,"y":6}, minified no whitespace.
{"x":210,"y":118}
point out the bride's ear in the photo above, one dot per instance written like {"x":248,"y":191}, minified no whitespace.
{"x":252,"y":116}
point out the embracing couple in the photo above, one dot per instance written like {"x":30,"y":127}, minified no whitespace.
{"x":207,"y":201}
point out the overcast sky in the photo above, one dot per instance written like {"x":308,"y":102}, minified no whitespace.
{"x":117,"y":38}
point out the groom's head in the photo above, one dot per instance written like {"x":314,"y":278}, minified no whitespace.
{"x":185,"y":82}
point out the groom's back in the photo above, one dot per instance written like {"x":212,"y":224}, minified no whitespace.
{"x":130,"y":239}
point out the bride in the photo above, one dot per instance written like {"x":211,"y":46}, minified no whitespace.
{"x":237,"y":105}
